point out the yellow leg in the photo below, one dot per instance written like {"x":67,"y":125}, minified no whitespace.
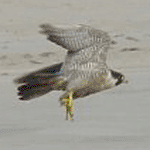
{"x":68,"y":103}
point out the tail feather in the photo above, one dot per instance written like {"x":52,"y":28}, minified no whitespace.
{"x":40,"y":82}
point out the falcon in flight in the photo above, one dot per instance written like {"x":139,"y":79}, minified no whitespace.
{"x":83,"y":72}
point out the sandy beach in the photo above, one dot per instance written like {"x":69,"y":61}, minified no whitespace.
{"x":115,"y":119}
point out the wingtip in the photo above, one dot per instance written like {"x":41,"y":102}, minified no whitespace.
{"x":44,"y":25}
{"x":16,"y":81}
{"x":46,"y":28}
{"x":19,"y":80}
{"x":21,"y":98}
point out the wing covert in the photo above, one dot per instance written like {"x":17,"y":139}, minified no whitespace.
{"x":75,"y":39}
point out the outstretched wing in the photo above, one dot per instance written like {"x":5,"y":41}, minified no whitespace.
{"x":39,"y":82}
{"x":87,"y":48}
{"x":39,"y":75}
{"x":77,"y":38}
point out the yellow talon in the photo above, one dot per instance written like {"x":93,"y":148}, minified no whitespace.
{"x":68,"y":103}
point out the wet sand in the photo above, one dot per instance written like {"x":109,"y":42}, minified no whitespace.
{"x":114,"y":119}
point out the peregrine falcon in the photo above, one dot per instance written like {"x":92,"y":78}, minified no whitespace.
{"x":83,"y":72}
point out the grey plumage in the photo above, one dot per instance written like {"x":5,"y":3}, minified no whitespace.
{"x":84,"y":70}
{"x":87,"y":50}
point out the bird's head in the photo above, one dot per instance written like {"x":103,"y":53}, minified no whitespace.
{"x":120,"y":77}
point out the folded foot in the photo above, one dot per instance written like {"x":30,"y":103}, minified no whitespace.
{"x":68,"y":103}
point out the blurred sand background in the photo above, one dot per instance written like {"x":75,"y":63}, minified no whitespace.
{"x":116,"y":119}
